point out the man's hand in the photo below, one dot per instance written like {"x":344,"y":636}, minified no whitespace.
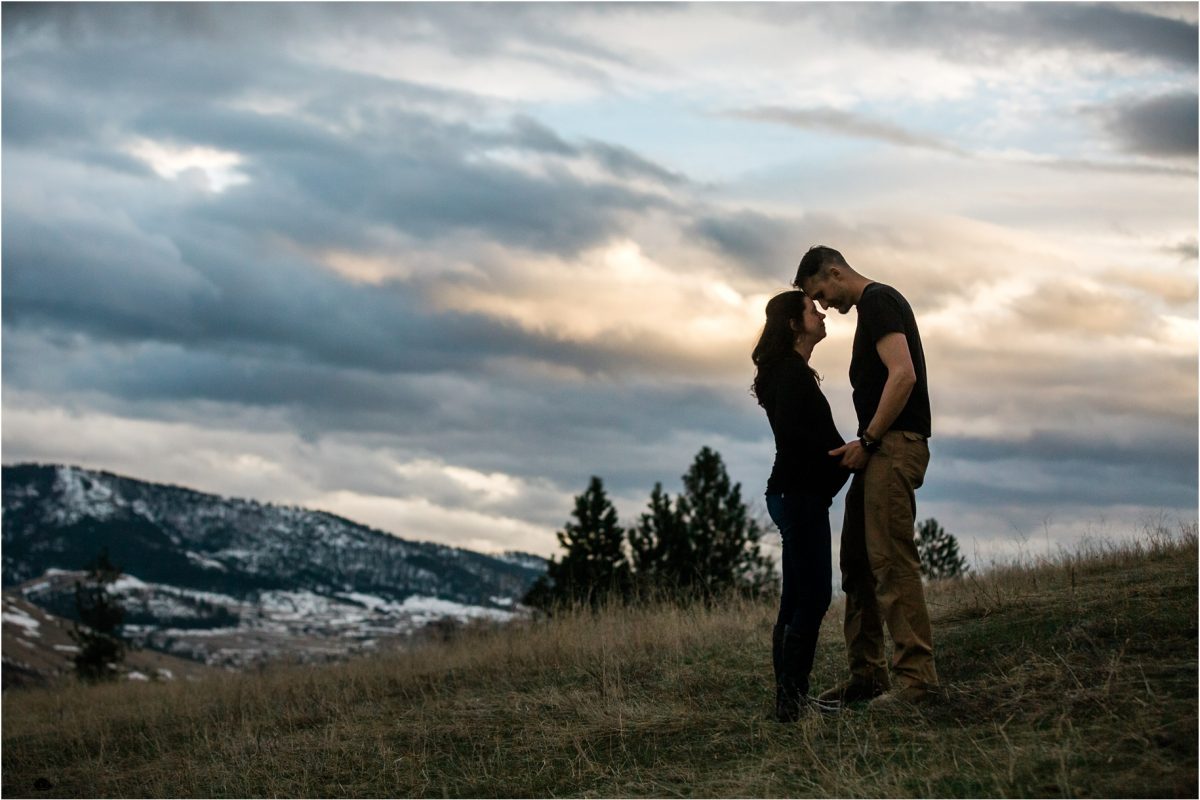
{"x":853,"y":456}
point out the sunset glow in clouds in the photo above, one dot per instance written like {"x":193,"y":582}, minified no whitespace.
{"x":431,"y":266}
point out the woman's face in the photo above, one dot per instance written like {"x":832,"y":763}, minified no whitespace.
{"x":812,"y":324}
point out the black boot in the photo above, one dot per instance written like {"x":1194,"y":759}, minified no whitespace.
{"x":796,"y":658}
{"x":777,"y":661}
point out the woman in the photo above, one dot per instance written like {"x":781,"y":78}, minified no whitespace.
{"x":802,"y":485}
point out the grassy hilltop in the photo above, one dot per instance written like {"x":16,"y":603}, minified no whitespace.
{"x":1076,"y":676}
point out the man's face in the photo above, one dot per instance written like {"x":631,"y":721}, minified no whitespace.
{"x":827,"y":289}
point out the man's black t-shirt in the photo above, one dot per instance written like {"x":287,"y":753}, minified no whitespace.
{"x":804,"y":431}
{"x":883,"y":310}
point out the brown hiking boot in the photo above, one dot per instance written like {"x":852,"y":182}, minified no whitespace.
{"x":907,"y":695}
{"x":854,"y":690}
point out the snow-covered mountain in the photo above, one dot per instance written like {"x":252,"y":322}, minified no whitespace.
{"x":232,"y":581}
{"x":38,"y":648}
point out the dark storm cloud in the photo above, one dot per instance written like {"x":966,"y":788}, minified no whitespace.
{"x":1164,"y":126}
{"x":152,"y":373}
{"x":429,"y":194}
{"x":1103,"y":28}
{"x":530,"y":31}
{"x":1163,"y":459}
{"x":992,"y":32}
{"x":1084,"y":487}
{"x":521,"y":31}
{"x":1073,"y":469}
{"x":632,"y":434}
{"x":489,"y":417}
{"x":1158,"y":127}
{"x":528,"y":133}
{"x":198,"y":293}
{"x":770,"y":247}
{"x":464,"y":395}
{"x":405,"y":168}
{"x":94,"y":272}
{"x":74,"y":23}
{"x":1187,"y":250}
{"x":202,"y":274}
{"x":625,"y":163}
{"x":763,"y":245}
{"x":37,"y":117}
{"x":153,"y":259}
{"x":94,"y":98}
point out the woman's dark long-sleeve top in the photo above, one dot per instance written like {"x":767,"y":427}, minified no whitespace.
{"x":804,"y":431}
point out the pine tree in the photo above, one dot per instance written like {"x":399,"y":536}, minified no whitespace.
{"x":938,"y":551}
{"x":659,"y":547}
{"x":99,"y":640}
{"x":724,"y":540}
{"x":594,"y":569}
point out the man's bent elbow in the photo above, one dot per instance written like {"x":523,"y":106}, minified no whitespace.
{"x":903,"y":378}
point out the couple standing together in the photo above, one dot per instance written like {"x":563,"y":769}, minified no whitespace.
{"x":881,"y":572}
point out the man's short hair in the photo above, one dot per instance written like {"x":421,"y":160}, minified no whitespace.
{"x":817,"y":258}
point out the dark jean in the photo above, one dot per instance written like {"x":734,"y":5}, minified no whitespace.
{"x":803,"y":522}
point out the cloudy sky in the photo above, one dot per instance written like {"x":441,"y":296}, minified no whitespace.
{"x":432,"y":266}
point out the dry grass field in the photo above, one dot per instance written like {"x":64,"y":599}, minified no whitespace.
{"x":1072,"y":676}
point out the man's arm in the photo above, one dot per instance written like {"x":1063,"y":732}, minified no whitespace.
{"x":902,"y":377}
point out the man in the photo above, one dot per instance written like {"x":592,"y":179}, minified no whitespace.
{"x":881,"y":571}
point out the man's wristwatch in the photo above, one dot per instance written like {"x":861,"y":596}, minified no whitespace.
{"x":869,"y":444}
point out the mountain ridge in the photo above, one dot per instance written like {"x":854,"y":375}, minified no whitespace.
{"x":200,"y":562}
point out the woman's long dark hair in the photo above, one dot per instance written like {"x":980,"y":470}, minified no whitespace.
{"x":777,"y":340}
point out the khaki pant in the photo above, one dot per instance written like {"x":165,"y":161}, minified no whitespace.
{"x":881,"y":571}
